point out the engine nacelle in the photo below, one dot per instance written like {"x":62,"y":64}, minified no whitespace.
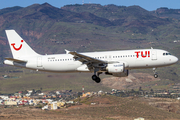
{"x":115,"y":68}
{"x":122,"y":74}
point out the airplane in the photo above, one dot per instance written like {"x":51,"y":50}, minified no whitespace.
{"x":115,"y":63}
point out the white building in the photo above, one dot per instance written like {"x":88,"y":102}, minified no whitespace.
{"x":139,"y":118}
{"x":54,"y":105}
{"x":4,"y":97}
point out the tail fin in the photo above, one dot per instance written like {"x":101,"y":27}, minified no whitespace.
{"x":19,"y":47}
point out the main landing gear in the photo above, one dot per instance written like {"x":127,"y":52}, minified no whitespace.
{"x":96,"y":77}
{"x":155,"y":73}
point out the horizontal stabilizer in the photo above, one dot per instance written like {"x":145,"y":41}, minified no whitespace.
{"x":16,"y":60}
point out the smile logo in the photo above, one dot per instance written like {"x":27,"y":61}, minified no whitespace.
{"x":17,"y":49}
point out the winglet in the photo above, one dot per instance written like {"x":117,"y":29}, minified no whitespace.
{"x":67,"y":51}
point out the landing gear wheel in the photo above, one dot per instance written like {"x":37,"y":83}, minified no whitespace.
{"x":155,"y":75}
{"x":96,"y":79}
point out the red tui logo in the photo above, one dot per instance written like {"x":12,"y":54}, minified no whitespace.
{"x":17,"y":49}
{"x":147,"y":54}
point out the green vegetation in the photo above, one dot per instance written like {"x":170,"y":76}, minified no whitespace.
{"x":29,"y":80}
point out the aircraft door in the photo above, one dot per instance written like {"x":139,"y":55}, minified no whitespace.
{"x":110,"y":57}
{"x":154,"y":55}
{"x":39,"y":61}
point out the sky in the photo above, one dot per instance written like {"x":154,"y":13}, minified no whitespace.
{"x":149,"y":5}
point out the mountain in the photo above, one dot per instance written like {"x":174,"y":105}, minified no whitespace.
{"x":11,"y":9}
{"x":132,"y":16}
{"x":164,"y":12}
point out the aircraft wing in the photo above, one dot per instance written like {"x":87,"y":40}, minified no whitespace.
{"x":86,"y":59}
{"x":16,"y":60}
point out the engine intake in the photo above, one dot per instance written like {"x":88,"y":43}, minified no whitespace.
{"x":115,"y":68}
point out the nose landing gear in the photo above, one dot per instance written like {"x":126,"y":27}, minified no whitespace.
{"x":155,"y":73}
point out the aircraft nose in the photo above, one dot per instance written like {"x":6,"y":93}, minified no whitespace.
{"x":175,"y":59}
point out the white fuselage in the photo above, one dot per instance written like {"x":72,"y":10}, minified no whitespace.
{"x":133,"y":59}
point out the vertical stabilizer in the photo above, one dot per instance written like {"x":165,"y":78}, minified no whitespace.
{"x":19,"y":47}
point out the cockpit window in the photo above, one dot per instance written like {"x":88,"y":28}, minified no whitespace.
{"x":166,"y":53}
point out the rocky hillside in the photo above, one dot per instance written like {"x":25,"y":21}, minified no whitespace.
{"x":133,"y":16}
{"x":167,"y":13}
{"x":133,"y":81}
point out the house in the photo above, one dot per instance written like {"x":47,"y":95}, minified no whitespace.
{"x":58,"y":92}
{"x":61,"y":104}
{"x":53,"y":105}
{"x":45,"y":107}
{"x":10,"y":103}
{"x":29,"y":91}
{"x":178,"y":98}
{"x":139,"y":118}
{"x":41,"y":94}
{"x":86,"y":94}
{"x":69,"y":102}
{"x":4,"y":97}
{"x":100,"y":92}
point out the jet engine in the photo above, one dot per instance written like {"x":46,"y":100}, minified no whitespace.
{"x":117,"y":70}
{"x":122,"y":74}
